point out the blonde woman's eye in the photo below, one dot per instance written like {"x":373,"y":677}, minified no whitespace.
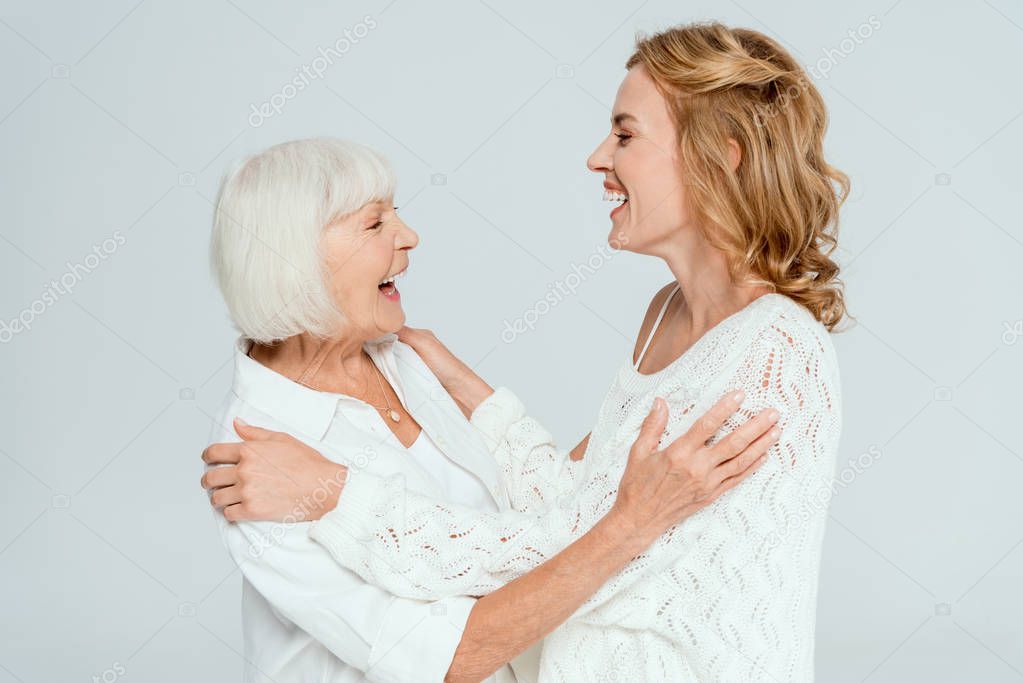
{"x":622,"y":138}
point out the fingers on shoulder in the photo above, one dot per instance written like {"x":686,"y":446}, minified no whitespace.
{"x":223,"y":453}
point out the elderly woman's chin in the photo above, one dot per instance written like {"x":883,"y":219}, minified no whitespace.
{"x":388,"y":314}
{"x":393,"y":321}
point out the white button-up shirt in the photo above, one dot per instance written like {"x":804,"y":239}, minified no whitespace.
{"x":307,"y":618}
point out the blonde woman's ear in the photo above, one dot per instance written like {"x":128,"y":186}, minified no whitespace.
{"x":734,"y":153}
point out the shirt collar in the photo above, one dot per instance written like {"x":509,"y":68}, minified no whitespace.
{"x":309,"y":411}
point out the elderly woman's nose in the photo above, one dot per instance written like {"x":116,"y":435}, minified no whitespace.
{"x":407,"y":237}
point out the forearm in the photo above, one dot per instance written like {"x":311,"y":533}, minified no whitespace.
{"x":469,"y":390}
{"x":504,"y":623}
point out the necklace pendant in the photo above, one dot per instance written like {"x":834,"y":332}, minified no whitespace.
{"x":394,"y":415}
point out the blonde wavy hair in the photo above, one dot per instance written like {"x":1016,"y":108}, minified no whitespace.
{"x":776,"y":215}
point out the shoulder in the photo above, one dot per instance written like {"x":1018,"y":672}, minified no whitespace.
{"x":786,"y":341}
{"x":651,"y":315}
{"x":783,"y":323}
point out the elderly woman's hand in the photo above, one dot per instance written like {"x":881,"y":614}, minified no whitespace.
{"x":661,"y":487}
{"x":271,"y":476}
{"x":465,"y":386}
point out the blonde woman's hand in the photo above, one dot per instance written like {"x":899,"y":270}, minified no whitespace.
{"x":271,"y":476}
{"x":458,"y":379}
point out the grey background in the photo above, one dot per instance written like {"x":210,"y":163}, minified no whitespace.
{"x":117,"y":118}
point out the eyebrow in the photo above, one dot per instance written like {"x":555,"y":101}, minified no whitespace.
{"x":623,"y":116}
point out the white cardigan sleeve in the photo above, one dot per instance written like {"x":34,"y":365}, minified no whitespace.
{"x":535,"y":471}
{"x":419,"y":547}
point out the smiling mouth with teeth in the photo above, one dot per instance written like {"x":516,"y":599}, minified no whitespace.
{"x":612,"y":196}
{"x":387,"y":287}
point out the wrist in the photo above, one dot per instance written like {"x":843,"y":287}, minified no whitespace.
{"x":622,"y":532}
{"x":330,"y":483}
{"x":469,"y":390}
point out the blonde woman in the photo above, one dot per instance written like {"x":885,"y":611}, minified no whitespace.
{"x":716,"y":156}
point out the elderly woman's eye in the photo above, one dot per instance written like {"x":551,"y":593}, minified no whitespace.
{"x":376,"y":225}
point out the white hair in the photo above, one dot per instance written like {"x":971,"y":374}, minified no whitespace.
{"x":271,"y":210}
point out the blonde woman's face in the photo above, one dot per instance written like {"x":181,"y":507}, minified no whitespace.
{"x":639,"y":158}
{"x":362,"y":250}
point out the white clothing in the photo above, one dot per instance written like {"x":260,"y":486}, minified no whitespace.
{"x":462,"y":486}
{"x":305,"y":617}
{"x":729,"y":594}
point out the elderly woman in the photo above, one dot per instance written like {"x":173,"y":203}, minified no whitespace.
{"x":306,"y":248}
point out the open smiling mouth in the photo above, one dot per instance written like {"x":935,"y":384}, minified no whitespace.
{"x":613,"y":196}
{"x":387,"y":287}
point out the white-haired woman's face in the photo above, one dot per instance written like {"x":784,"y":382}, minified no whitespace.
{"x":364,"y":252}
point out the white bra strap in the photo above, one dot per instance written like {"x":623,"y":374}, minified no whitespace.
{"x":657,"y":322}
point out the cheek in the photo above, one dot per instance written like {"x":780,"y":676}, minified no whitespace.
{"x":349,"y":274}
{"x":656,"y":184}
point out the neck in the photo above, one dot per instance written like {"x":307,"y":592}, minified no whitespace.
{"x":710,"y":294}
{"x":334,"y":364}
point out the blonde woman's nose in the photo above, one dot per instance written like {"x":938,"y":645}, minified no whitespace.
{"x":599,"y":160}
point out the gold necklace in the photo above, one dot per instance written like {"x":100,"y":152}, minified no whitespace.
{"x":391,"y":412}
{"x":314,"y":368}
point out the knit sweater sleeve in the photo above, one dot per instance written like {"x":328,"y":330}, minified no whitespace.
{"x":418,"y":547}
{"x":535,"y":471}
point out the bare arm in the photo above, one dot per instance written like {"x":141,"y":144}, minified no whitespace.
{"x":504,"y":623}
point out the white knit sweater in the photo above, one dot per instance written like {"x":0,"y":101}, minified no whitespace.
{"x":729,"y":594}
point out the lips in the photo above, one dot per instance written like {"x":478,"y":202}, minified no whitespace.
{"x":388,"y":288}
{"x":615,"y":193}
{"x":389,"y":291}
{"x":395,"y":276}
